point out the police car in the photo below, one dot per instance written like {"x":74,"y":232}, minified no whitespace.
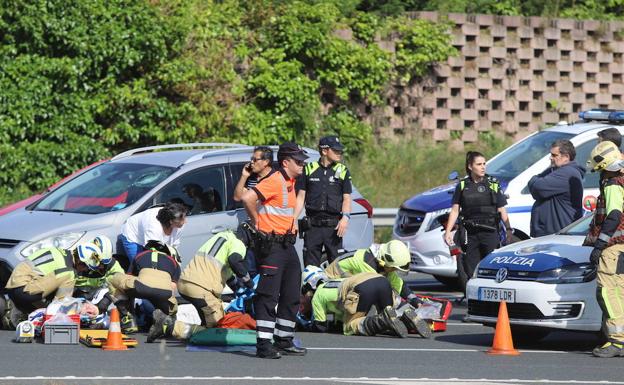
{"x":418,"y":221}
{"x":547,"y":283}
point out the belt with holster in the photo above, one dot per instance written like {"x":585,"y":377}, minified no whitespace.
{"x":324,"y":222}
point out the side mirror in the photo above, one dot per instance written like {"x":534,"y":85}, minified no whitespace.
{"x":454,"y":175}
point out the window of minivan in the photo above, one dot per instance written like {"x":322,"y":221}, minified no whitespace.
{"x":108,"y":187}
{"x":510,"y":163}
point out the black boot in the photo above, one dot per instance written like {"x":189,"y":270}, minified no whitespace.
{"x":286,"y":347}
{"x":162,"y":326}
{"x":265,"y":349}
{"x":128,"y":322}
{"x":385,"y":322}
{"x":416,"y":324}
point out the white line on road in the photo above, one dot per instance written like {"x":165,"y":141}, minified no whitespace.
{"x":441,"y":350}
{"x":361,"y":380}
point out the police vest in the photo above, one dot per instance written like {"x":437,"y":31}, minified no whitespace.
{"x":600,"y":215}
{"x":53,"y":261}
{"x":324,"y":187}
{"x":479,"y":199}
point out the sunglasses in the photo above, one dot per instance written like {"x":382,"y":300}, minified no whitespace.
{"x":256,"y":159}
{"x":298,"y":162}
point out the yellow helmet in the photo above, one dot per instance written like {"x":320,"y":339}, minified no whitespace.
{"x":394,"y":254}
{"x":605,"y":156}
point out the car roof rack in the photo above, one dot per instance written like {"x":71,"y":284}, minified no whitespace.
{"x":603,"y":115}
{"x":180,"y":146}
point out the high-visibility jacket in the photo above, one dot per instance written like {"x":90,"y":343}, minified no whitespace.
{"x":363,"y":261}
{"x":276,"y":212}
{"x":210,"y":268}
{"x":58,"y":263}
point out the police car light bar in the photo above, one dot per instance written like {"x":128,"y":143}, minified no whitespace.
{"x":612,"y":116}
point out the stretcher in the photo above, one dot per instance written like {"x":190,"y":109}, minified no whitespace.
{"x":95,"y":338}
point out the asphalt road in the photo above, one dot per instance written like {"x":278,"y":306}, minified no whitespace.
{"x":451,"y":357}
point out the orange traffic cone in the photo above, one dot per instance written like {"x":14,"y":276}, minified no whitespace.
{"x":114,"y":341}
{"x":503,"y":344}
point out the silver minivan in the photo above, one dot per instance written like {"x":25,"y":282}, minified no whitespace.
{"x":100,"y":199}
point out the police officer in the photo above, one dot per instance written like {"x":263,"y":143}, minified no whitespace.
{"x":388,"y":259}
{"x":479,"y":203}
{"x":277,"y":259}
{"x":325,"y":188}
{"x":218,"y":262}
{"x":49,"y":274}
{"x":349,"y":300}
{"x":152,"y":276}
{"x":606,"y":236}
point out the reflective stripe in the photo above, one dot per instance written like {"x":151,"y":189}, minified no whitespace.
{"x":186,"y":330}
{"x":264,"y":335}
{"x":285,"y":194}
{"x":61,"y":271}
{"x":281,"y":333}
{"x":265,"y":324}
{"x":604,"y":237}
{"x":216,"y":247}
{"x":43,"y":261}
{"x":605,"y":299}
{"x":114,"y":327}
{"x":285,"y":322}
{"x":613,"y":329}
{"x":272,"y":210}
{"x":618,"y":233}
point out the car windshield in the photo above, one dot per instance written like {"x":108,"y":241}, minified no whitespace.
{"x":580,"y":227}
{"x":107,"y":187}
{"x":511,"y":162}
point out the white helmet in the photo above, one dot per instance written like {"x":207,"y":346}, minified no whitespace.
{"x":89,"y":254}
{"x":311,"y":277}
{"x":106,"y":246}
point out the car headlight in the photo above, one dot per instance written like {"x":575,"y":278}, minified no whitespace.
{"x":62,"y":241}
{"x":581,"y":272}
{"x":435,"y":216}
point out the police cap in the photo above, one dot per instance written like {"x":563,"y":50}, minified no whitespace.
{"x":291,"y":150}
{"x":332,"y":142}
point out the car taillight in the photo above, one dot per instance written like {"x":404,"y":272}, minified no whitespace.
{"x":364,"y":203}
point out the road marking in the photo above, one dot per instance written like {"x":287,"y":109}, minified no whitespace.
{"x":441,"y":350}
{"x":360,"y":380}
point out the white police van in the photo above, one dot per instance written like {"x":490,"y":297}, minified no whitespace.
{"x":418,"y":219}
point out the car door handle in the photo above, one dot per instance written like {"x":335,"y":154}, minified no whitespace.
{"x":219,"y":229}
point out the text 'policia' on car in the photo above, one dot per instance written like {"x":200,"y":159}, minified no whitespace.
{"x":418,"y":221}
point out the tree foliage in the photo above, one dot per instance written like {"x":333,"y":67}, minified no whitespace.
{"x":81,"y":80}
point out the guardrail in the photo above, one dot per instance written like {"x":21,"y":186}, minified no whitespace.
{"x":383,"y":217}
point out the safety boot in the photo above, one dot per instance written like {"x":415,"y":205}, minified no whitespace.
{"x":285,"y":346}
{"x":609,"y":350}
{"x":265,"y":349}
{"x":162,"y":326}
{"x":127,"y":322}
{"x":415,"y":323}
{"x":385,"y":322}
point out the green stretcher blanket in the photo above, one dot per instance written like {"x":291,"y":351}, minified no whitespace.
{"x":223,"y":337}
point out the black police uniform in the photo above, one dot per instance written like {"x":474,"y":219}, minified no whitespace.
{"x":324,"y":187}
{"x":478,"y":232}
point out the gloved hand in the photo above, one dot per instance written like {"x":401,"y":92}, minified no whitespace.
{"x":594,"y":257}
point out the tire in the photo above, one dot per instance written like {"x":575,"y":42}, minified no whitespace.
{"x":452,"y":282}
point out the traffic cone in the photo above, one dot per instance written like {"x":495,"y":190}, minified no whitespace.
{"x":503,"y":344}
{"x":114,"y":341}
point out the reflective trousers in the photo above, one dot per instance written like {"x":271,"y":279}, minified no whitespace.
{"x":279,"y":285}
{"x":358,"y":302}
{"x":151,"y":284}
{"x":610,"y":291}
{"x":209,"y":307}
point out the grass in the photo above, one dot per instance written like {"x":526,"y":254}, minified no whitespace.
{"x":392,"y":172}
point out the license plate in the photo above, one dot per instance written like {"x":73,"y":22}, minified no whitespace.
{"x":497,"y":295}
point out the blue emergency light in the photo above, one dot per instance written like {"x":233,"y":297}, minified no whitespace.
{"x":612,"y":116}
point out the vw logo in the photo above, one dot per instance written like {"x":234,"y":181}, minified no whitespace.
{"x":501,"y":275}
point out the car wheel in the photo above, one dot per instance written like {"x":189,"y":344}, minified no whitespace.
{"x":452,"y":282}
{"x":527,"y":334}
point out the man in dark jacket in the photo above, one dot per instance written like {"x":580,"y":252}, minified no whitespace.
{"x":558,"y":191}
